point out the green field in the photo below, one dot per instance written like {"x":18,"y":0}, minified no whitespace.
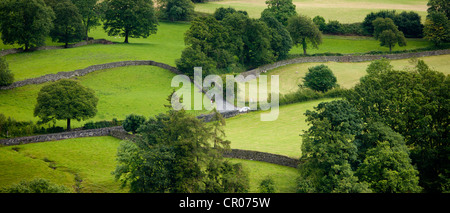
{"x":344,"y":11}
{"x":93,"y":159}
{"x":347,"y":74}
{"x":165,"y":47}
{"x":248,"y":132}
{"x":121,"y":91}
{"x":144,"y":89}
{"x":358,"y":44}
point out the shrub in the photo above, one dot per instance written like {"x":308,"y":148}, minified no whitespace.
{"x":6,"y":77}
{"x":267,"y":185}
{"x":35,"y":186}
{"x":133,"y":122}
{"x":320,"y":78}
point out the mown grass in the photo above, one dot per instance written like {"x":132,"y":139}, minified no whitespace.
{"x":344,"y":11}
{"x":93,"y":159}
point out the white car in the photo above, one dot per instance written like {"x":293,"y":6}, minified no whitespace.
{"x":244,"y":109}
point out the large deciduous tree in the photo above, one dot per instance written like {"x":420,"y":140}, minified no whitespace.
{"x":303,"y":32}
{"x":25,"y":22}
{"x":129,"y":18}
{"x":90,"y":13}
{"x":65,"y":100}
{"x":387,"y":33}
{"x":176,"y":10}
{"x":68,"y":25}
{"x":282,"y":10}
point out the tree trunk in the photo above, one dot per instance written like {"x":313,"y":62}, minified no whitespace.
{"x":390,"y":48}
{"x":66,"y":45}
{"x":304,"y":46}
{"x":126,"y":37}
{"x":68,"y":124}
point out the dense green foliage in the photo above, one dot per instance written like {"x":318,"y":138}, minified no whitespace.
{"x":25,"y":22}
{"x":173,"y":154}
{"x":342,"y":153}
{"x":65,"y":100}
{"x":442,"y":6}
{"x":303,"y":32}
{"x":437,"y":28}
{"x":281,"y":10}
{"x":387,"y":33}
{"x":415,"y":104}
{"x":176,"y":10}
{"x":230,"y":41}
{"x":408,"y":22}
{"x":6,"y":76}
{"x":90,"y":12}
{"x":35,"y":186}
{"x":320,"y":78}
{"x":68,"y":24}
{"x":129,"y":18}
{"x":133,"y":122}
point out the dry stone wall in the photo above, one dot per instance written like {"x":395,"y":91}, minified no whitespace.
{"x":83,"y":43}
{"x":347,"y":58}
{"x":85,"y":71}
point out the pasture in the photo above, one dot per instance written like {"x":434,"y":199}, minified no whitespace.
{"x":90,"y":161}
{"x":344,"y":11}
{"x":143,"y":90}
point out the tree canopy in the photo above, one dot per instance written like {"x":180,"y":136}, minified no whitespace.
{"x":387,"y":33}
{"x":176,"y":10}
{"x":173,"y":153}
{"x":25,"y":22}
{"x":129,"y":18}
{"x":90,"y":13}
{"x":414,"y":103}
{"x":281,"y":10}
{"x":68,"y":24}
{"x":437,"y":28}
{"x":320,"y":78}
{"x":65,"y":100}
{"x":303,"y":32}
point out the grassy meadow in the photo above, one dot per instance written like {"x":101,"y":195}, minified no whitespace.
{"x":344,"y":11}
{"x":92,"y":160}
{"x":144,"y":89}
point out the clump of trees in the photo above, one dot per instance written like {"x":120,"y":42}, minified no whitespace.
{"x":38,"y":185}
{"x":29,"y":23}
{"x":25,"y":22}
{"x":320,"y":78}
{"x":176,"y":10}
{"x":230,"y":41}
{"x":388,"y":135}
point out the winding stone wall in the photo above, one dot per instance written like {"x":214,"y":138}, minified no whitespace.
{"x":83,"y":43}
{"x":85,"y":71}
{"x":348,"y":58}
{"x":120,"y":133}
